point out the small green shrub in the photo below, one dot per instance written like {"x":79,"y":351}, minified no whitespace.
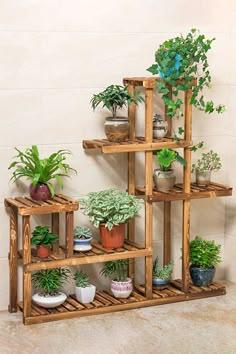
{"x":42,"y":236}
{"x":209,"y":161}
{"x":162,"y":272}
{"x":203,"y":253}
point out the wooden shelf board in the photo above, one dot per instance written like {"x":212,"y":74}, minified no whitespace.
{"x":149,"y":82}
{"x":136,"y":145}
{"x":104,"y":302}
{"x":28,"y":206}
{"x":197,"y":192}
{"x":95,"y":255}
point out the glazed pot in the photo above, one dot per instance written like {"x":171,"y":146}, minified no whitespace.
{"x":82,"y":245}
{"x":157,"y":282}
{"x":164,"y":180}
{"x":49,"y":301}
{"x":40,"y":192}
{"x":114,"y":238}
{"x":160,"y":126}
{"x":203,"y":178}
{"x":85,"y":295}
{"x":201,"y":276}
{"x":42,"y":251}
{"x":121,"y":289}
{"x":117,"y":129}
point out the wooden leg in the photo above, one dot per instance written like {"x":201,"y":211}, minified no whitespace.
{"x":13,"y":260}
{"x":27,"y":288}
{"x":55,"y":230}
{"x":167,"y":233}
{"x":69,"y":233}
{"x":185,"y":245}
{"x":131,"y":190}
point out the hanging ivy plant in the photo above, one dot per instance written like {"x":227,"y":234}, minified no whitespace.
{"x":184,"y":57}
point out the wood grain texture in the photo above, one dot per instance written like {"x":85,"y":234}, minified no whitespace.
{"x":69,"y":234}
{"x":27,"y":288}
{"x":13,"y":261}
{"x":167,"y":233}
{"x":55,"y":230}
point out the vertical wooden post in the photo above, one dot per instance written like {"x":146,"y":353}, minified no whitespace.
{"x":186,"y":189}
{"x":167,"y":233}
{"x":55,"y":230}
{"x":131,"y":173}
{"x":27,"y":288}
{"x":148,"y":189}
{"x":13,"y":259}
{"x":167,"y":118}
{"x":69,"y":233}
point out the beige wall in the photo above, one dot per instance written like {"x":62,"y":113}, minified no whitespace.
{"x":56,"y":54}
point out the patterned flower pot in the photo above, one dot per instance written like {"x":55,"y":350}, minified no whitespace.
{"x":49,"y":301}
{"x":200,"y":276}
{"x":117,"y":129}
{"x":122,"y":289}
{"x":158,"y":282}
{"x":40,"y":192}
{"x":82,"y":245}
{"x":114,"y":238}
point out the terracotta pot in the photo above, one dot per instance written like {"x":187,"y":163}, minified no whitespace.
{"x":40,"y":192}
{"x":42,"y":251}
{"x":114,"y":238}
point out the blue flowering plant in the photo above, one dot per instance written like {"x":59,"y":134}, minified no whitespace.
{"x":185,"y":58}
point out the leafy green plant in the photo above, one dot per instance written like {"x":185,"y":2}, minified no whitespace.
{"x":115,"y":97}
{"x":42,"y":236}
{"x":110,"y":206}
{"x":118,"y":269}
{"x":48,"y":281}
{"x":166,"y":156}
{"x":185,"y":58}
{"x":162,"y":272}
{"x":40,"y":171}
{"x":81,"y":279}
{"x":82,"y":232}
{"x":209,"y":161}
{"x":203,"y":253}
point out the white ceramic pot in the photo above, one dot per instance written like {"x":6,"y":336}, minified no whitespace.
{"x":160,"y":126}
{"x":85,"y":295}
{"x":164,"y":180}
{"x":122,"y":289}
{"x":82,"y":245}
{"x":49,"y":301}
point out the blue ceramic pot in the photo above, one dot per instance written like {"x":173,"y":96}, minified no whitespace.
{"x":159,"y":282}
{"x":176,"y":66}
{"x":200,"y":276}
{"x":82,"y":244}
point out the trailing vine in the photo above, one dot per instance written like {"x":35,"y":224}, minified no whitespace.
{"x":184,"y":58}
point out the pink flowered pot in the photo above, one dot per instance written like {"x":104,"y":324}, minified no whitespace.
{"x":121,"y":289}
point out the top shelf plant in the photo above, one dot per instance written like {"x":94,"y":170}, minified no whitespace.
{"x":185,"y":58}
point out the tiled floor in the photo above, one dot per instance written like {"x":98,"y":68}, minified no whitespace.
{"x":206,"y":326}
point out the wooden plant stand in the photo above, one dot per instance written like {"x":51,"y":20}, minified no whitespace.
{"x":142,"y":295}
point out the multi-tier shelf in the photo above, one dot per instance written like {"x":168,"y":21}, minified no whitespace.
{"x":63,"y":255}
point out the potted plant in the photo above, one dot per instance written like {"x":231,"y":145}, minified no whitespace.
{"x":121,"y":285}
{"x":40,"y":171}
{"x":185,"y":58}
{"x":164,"y":177}
{"x":160,"y":126}
{"x":116,"y":97}
{"x":48,"y":282}
{"x":204,"y":256}
{"x":84,"y":291}
{"x":82,"y":238}
{"x":110,"y":210}
{"x":43,"y":239}
{"x":209,"y":161}
{"x":161,"y":275}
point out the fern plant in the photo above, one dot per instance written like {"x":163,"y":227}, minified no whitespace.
{"x":111,"y":206}
{"x":48,"y":281}
{"x":40,"y":171}
{"x":81,"y":279}
{"x":118,"y":269}
{"x":115,"y":97}
{"x":185,"y":58}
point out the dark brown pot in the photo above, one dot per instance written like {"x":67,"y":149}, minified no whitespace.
{"x":114,"y":238}
{"x":42,"y":251}
{"x":40,"y":192}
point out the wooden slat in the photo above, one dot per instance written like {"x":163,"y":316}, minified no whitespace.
{"x":13,"y":260}
{"x":108,"y":296}
{"x":102,"y":299}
